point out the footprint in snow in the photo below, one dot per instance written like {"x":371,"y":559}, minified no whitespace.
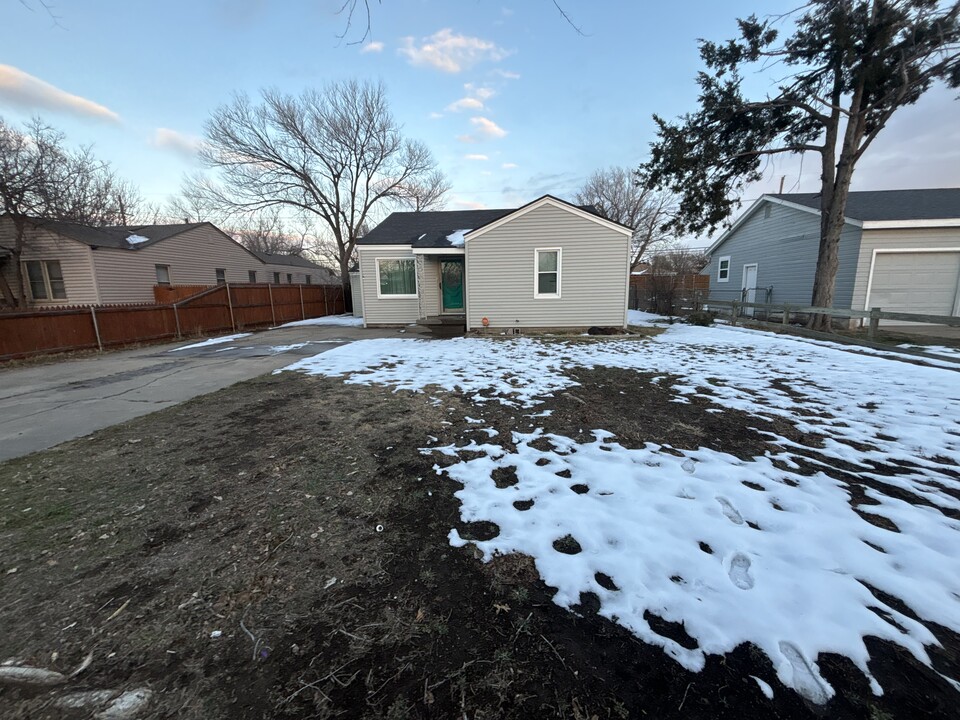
{"x":739,"y":572}
{"x":730,"y":511}
{"x":806,"y":679}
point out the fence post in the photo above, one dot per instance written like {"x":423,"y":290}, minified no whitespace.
{"x":303,"y":314}
{"x":233,"y":323}
{"x":874,"y":323}
{"x":325,"y":311}
{"x":176,"y":319}
{"x":786,"y":314}
{"x":733,"y":312}
{"x":96,"y":327}
{"x":273,"y":313}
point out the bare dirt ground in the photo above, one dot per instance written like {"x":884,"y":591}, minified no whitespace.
{"x":279,"y":549}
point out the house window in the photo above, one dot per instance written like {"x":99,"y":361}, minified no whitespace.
{"x":396,"y":277}
{"x":276,"y":278}
{"x":289,"y":278}
{"x":252,"y":276}
{"x":307,"y":280}
{"x":723,"y":269}
{"x":221,"y":276}
{"x":547,"y":273}
{"x":46,"y":280}
{"x":163,"y":274}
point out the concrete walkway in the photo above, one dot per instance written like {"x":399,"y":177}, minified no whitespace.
{"x":45,"y":405}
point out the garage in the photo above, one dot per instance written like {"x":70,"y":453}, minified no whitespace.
{"x":916,"y":282}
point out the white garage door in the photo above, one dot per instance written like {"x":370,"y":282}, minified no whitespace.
{"x":916,"y":282}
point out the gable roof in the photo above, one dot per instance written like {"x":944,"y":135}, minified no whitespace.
{"x":870,"y":209}
{"x":114,"y":236}
{"x":874,"y":205}
{"x":282,"y":259}
{"x":430,"y":228}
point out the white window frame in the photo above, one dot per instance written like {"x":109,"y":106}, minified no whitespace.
{"x":416,"y":281}
{"x":48,"y":286}
{"x":720,"y":268}
{"x":536,"y":273}
{"x":156,"y":269}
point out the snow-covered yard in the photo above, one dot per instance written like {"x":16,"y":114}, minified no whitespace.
{"x":805,"y":549}
{"x":338,"y":320}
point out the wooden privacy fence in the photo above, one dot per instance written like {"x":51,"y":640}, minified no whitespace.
{"x":217,"y":309}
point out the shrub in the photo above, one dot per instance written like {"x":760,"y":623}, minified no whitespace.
{"x":701,"y":317}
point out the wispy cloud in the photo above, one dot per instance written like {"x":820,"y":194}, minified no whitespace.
{"x":467,"y":103}
{"x":509,"y":166}
{"x":486,"y":128}
{"x":435,"y":115}
{"x":31,"y":93}
{"x":507,"y":74}
{"x":450,"y":52}
{"x":469,"y":205}
{"x":178,"y":142}
{"x":374,"y":46}
{"x":475,"y":156}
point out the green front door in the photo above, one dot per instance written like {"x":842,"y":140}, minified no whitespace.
{"x":451,"y":283}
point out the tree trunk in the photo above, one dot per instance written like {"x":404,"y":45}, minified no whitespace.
{"x":345,"y":282}
{"x":5,"y":290}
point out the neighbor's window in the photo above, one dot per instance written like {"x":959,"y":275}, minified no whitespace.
{"x":46,"y":280}
{"x":307,"y":280}
{"x":252,"y":276}
{"x":289,"y":278}
{"x":276,"y":278}
{"x":397,"y":277}
{"x":221,"y":276}
{"x":163,"y":274}
{"x":723,"y":269}
{"x":548,"y":273}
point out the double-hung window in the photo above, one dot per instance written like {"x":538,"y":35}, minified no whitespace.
{"x":396,"y":277}
{"x":723,"y":269}
{"x":46,"y":280}
{"x":547,"y":262}
{"x":221,"y":274}
{"x":163,"y":274}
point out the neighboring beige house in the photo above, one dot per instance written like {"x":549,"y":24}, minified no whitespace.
{"x":69,"y":264}
{"x":546,"y":265}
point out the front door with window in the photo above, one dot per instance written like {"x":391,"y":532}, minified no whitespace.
{"x":749,"y":291}
{"x":451,"y":285}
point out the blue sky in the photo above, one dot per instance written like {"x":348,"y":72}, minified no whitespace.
{"x":511,"y":100}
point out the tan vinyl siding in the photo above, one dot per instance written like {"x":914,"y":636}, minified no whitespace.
{"x":430,"y":287}
{"x":74,"y":257}
{"x":193,"y":257}
{"x":384,"y":311}
{"x":593,"y":279}
{"x":899,"y":239}
{"x":265,"y":274}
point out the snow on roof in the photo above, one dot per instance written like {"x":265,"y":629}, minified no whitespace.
{"x":456,"y":238}
{"x":137,"y":239}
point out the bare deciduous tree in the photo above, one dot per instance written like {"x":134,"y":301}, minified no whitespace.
{"x":40,"y":177}
{"x":672,"y":274}
{"x":618,"y":196}
{"x":336,"y":155}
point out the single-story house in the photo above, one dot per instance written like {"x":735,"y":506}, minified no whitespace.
{"x":546,"y":265}
{"x":899,"y":251}
{"x":69,"y":264}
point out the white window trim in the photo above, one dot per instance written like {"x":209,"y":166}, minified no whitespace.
{"x":416,"y":285}
{"x":719,"y":268}
{"x":536,"y":273}
{"x":46,"y":280}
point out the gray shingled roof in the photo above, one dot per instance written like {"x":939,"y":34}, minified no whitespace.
{"x":430,"y":228}
{"x":280,"y":259}
{"x":933,"y":204}
{"x":114,"y":236}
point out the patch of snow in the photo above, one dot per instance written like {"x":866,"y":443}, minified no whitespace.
{"x":339,"y":320}
{"x":645,"y":319}
{"x":212,"y":341}
{"x":789,"y":566}
{"x":137,"y":239}
{"x":764,"y":687}
{"x":457,"y":238}
{"x":935,"y":349}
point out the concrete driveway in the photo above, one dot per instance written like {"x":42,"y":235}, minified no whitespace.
{"x":45,"y":405}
